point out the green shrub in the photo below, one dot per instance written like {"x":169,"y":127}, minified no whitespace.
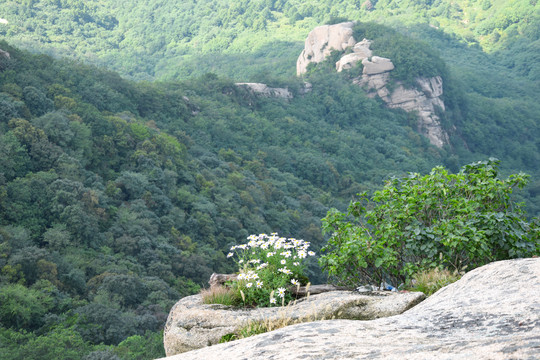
{"x":422,"y":222}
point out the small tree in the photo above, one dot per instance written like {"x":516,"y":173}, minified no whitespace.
{"x":456,"y":221}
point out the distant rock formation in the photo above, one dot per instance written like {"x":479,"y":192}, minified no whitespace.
{"x":360,"y":52}
{"x":265,"y":90}
{"x":321,"y":41}
{"x":4,"y":54}
{"x":193,"y":325}
{"x":492,"y":313}
{"x":425,"y":99}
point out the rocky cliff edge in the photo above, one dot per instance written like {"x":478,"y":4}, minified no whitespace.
{"x":493,"y":313}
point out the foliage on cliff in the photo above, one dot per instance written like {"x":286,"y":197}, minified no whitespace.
{"x":416,"y":223}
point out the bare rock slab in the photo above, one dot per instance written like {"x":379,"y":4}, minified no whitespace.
{"x":321,"y":41}
{"x":193,"y":325}
{"x":493,"y":313}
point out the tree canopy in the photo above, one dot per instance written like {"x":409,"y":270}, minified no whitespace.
{"x":455,"y":221}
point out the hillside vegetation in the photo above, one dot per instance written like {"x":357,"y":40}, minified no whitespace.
{"x":119,"y":197}
{"x":178,"y":39}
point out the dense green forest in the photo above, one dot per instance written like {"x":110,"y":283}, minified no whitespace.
{"x":248,"y":39}
{"x":119,"y":197}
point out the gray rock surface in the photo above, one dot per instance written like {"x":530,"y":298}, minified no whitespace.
{"x":193,"y":325}
{"x":424,"y":100}
{"x":265,"y":90}
{"x":321,"y":41}
{"x":377,"y":65}
{"x":360,"y":52}
{"x":348,"y":61}
{"x":492,"y":313}
{"x":4,"y":54}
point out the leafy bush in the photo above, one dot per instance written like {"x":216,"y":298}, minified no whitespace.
{"x":421,"y":222}
{"x":268,"y":266}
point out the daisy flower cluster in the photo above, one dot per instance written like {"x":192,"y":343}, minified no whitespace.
{"x":268,"y":266}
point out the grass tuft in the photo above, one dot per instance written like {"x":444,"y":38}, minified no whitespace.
{"x":429,"y":281}
{"x":220,"y":295}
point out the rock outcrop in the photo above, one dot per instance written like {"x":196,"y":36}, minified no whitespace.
{"x":193,"y":325}
{"x":4,"y":54}
{"x":377,"y":65}
{"x":493,"y":313}
{"x":360,"y":52}
{"x":265,"y":90}
{"x":424,"y":99}
{"x":321,"y":41}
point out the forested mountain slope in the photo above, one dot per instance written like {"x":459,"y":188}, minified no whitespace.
{"x":119,"y":197}
{"x":175,"y":39}
{"x":491,"y":48}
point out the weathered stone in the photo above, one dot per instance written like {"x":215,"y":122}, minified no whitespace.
{"x":321,"y":41}
{"x":373,"y":82}
{"x":4,"y":54}
{"x":307,"y":88}
{"x":493,"y":313}
{"x":377,"y":65}
{"x":220,"y":279}
{"x":424,"y":100}
{"x":265,"y":90}
{"x":432,"y":87}
{"x":348,"y":61}
{"x":363,"y":48}
{"x":193,"y":325}
{"x":360,"y":52}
